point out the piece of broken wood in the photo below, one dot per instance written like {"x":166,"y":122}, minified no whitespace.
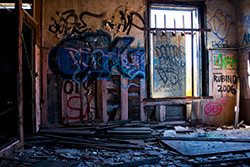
{"x":135,"y":163}
{"x":221,"y":161}
{"x":65,"y":131}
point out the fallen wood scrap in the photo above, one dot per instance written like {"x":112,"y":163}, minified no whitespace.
{"x":65,"y":131}
{"x":122,"y":141}
{"x":162,"y":126}
{"x":203,"y":139}
{"x":128,"y":136}
{"x":198,"y":148}
{"x":131,"y":130}
{"x":91,"y":128}
{"x":120,"y":122}
{"x":106,"y":127}
{"x":81,"y":145}
{"x":91,"y":143}
{"x":135,"y":163}
{"x":16,"y":160}
{"x":109,"y":145}
{"x":41,"y":157}
{"x":85,"y":123}
{"x":133,"y":125}
{"x":38,"y":142}
{"x":53,"y":163}
{"x":70,"y":138}
{"x":221,"y":161}
{"x":245,"y":125}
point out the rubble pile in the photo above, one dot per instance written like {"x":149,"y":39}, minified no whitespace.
{"x":132,"y":144}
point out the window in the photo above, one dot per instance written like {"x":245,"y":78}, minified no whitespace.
{"x":175,"y":61}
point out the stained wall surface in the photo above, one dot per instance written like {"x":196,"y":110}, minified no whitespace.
{"x":227,"y":46}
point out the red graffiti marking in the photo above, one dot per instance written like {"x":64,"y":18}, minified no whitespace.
{"x":213,"y":109}
{"x":75,"y":108}
{"x":224,"y":101}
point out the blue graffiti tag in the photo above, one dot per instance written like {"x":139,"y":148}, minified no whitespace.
{"x":220,"y":24}
{"x":244,"y":20}
{"x":93,"y":56}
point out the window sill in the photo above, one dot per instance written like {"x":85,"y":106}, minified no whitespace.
{"x":172,"y":100}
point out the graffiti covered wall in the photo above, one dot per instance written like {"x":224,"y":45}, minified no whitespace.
{"x":221,"y":19}
{"x":88,"y":41}
{"x":223,"y":76}
{"x":118,"y":18}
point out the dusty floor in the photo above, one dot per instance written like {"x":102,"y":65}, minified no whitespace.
{"x":135,"y":144}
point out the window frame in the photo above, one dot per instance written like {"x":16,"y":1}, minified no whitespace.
{"x":203,"y":55}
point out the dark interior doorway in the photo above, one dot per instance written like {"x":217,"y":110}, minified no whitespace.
{"x":28,"y":79}
{"x":8,"y":79}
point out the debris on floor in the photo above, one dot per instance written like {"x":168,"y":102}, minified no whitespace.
{"x":125,"y":143}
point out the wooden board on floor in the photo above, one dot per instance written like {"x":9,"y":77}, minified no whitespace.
{"x":197,"y":148}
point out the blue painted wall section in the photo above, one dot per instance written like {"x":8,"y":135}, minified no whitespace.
{"x":93,"y":56}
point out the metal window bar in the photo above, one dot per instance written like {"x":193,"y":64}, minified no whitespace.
{"x":190,"y":31}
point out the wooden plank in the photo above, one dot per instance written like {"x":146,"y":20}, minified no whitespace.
{"x":168,"y":102}
{"x":70,"y":144}
{"x":37,"y":87}
{"x":42,"y":157}
{"x":135,"y":163}
{"x":237,"y":109}
{"x":54,"y":108}
{"x":162,"y":113}
{"x":102,"y":99}
{"x":52,"y":163}
{"x":124,"y":99}
{"x":143,"y":95}
{"x":37,"y":13}
{"x":16,"y":160}
{"x":198,"y":148}
{"x":245,"y":159}
{"x":106,"y":145}
{"x":131,"y":130}
{"x":19,"y":14}
{"x":69,"y":138}
{"x":65,"y":131}
{"x":204,"y":139}
{"x":44,"y":70}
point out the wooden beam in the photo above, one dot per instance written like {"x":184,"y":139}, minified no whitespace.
{"x":38,"y":18}
{"x":160,"y":113}
{"x":143,"y":116}
{"x":19,"y":13}
{"x":37,"y":15}
{"x":101,"y":99}
{"x":237,"y":109}
{"x":124,"y":98}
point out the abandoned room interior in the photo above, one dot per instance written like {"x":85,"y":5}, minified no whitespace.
{"x":125,"y":83}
